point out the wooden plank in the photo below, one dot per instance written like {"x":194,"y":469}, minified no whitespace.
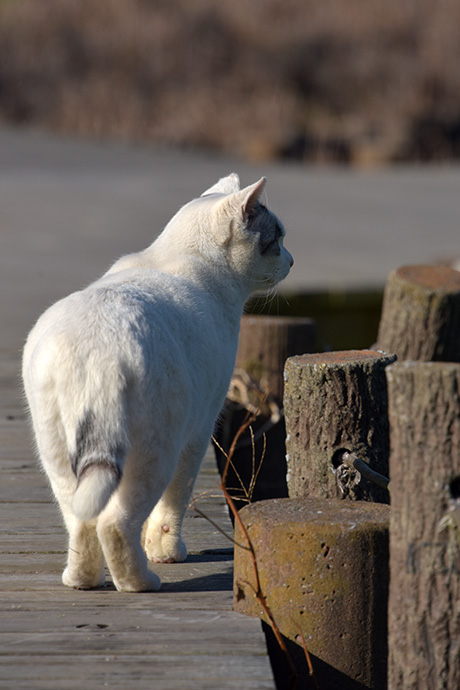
{"x":158,"y":672}
{"x":52,"y":637}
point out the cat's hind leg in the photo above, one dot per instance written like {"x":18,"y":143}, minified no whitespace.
{"x":85,"y":563}
{"x":119,"y":529}
{"x":85,"y":566}
{"x":125,"y":558}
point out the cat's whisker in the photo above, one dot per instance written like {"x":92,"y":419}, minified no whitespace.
{"x":286,"y":300}
{"x":271,"y":296}
{"x":269,"y":300}
{"x":266,"y":300}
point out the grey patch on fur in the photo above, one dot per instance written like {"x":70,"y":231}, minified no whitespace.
{"x":92,"y":450}
{"x":263,"y":223}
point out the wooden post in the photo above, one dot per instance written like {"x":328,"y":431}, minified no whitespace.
{"x":421,"y":314}
{"x":259,"y":464}
{"x":323,"y":568}
{"x":424,"y":600}
{"x":265,"y":344}
{"x":334,"y":402}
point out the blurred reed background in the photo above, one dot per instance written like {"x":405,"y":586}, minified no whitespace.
{"x":349,"y":81}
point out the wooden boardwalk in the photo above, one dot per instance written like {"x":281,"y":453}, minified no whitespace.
{"x":52,"y":638}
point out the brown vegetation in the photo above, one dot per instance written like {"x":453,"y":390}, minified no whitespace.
{"x":351,"y":81}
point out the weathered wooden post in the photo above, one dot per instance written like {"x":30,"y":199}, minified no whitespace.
{"x":322,"y":568}
{"x":334,"y":402}
{"x":259,"y":464}
{"x":421,"y":314}
{"x":424,"y":600}
{"x":323,"y":562}
{"x":265,"y":344}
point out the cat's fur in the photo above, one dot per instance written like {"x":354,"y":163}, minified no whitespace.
{"x":125,"y":379}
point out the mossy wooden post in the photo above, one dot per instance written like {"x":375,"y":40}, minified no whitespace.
{"x":421,"y":314}
{"x":336,"y":401}
{"x":424,"y":600}
{"x":264,"y":345}
{"x":323,"y":568}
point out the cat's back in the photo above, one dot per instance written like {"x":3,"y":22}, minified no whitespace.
{"x":132,"y":315}
{"x":114,"y":294}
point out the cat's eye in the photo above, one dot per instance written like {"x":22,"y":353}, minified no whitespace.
{"x":274,"y":245}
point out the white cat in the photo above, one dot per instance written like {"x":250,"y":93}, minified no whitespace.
{"x":125,"y":379}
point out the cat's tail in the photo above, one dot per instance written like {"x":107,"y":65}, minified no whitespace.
{"x":76,"y":386}
{"x":98,"y":466}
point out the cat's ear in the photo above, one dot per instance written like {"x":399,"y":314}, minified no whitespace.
{"x":246,"y":200}
{"x":226,"y":185}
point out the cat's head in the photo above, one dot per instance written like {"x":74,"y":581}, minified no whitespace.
{"x":228,"y":226}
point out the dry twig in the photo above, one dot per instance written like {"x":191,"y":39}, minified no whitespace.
{"x":248,"y":546}
{"x":258,"y":592}
{"x":311,"y":672}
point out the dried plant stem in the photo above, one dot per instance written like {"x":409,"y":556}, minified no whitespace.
{"x":246,"y":495}
{"x":216,"y":526}
{"x":249,"y":419}
{"x":255,"y":471}
{"x":260,"y":596}
{"x":246,"y":492}
{"x":311,"y":672}
{"x":257,"y":588}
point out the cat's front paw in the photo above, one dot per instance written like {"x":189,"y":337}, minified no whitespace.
{"x":163,"y":547}
{"x":145,"y":582}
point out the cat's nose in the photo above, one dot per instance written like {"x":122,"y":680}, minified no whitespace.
{"x":291,"y":260}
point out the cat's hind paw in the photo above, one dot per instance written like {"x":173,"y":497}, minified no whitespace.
{"x":164,"y":547}
{"x":82,"y":580}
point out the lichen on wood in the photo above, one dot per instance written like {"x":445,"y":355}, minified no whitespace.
{"x":323,"y":567}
